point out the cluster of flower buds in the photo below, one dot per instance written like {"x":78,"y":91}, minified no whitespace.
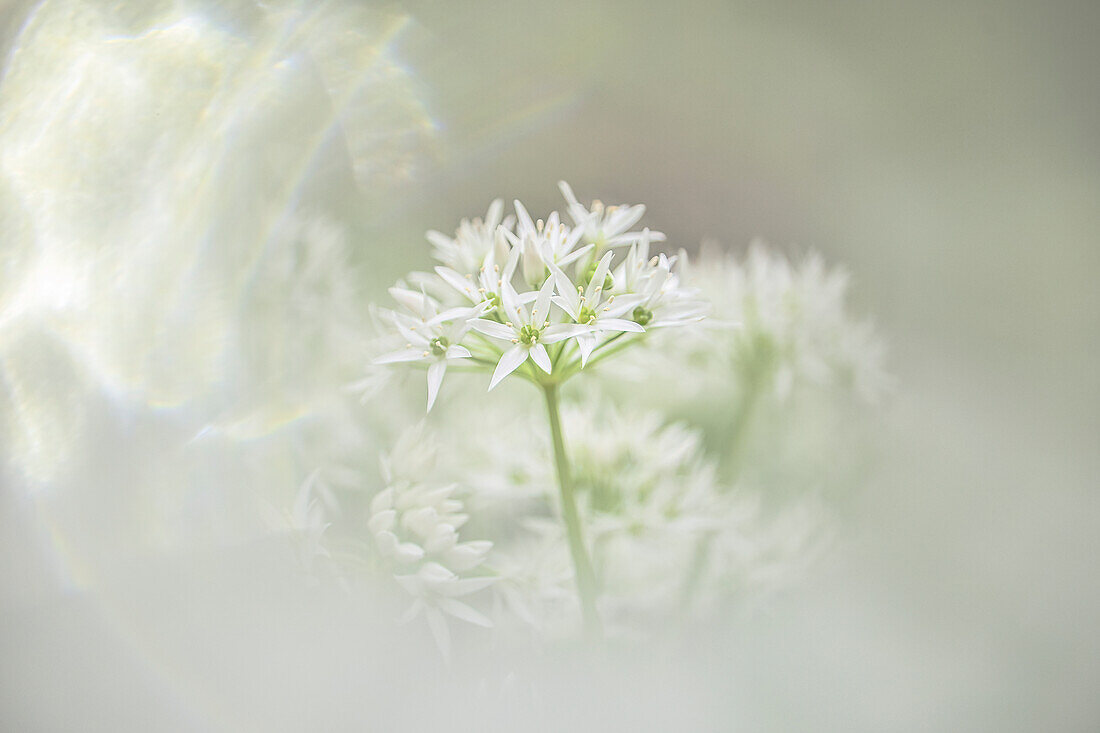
{"x":517,"y":296}
{"x":415,"y":529}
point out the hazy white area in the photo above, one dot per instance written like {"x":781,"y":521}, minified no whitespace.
{"x":199,"y":200}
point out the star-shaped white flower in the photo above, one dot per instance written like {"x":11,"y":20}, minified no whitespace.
{"x":466,"y":251}
{"x":544,"y":244}
{"x":663,"y":301}
{"x":527,"y":331}
{"x":485,"y":287}
{"x":605,"y":226}
{"x":433,"y":337}
{"x":595,"y":307}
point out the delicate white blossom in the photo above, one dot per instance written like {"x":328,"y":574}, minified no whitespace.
{"x":432,"y":337}
{"x":415,"y":529}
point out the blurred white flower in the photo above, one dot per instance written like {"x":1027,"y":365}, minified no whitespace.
{"x":605,"y":227}
{"x":794,"y":322}
{"x":473,"y":241}
{"x":415,"y":531}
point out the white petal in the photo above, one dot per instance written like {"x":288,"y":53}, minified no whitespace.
{"x":494,"y":215}
{"x":509,"y":362}
{"x":461,"y":611}
{"x":435,"y":378}
{"x":540,"y":357}
{"x":509,"y":300}
{"x":542,"y":304}
{"x":524,"y":218}
{"x":382,"y":521}
{"x":586,"y":342}
{"x":568,"y":299}
{"x":567,"y":192}
{"x":402,"y":355}
{"x":619,"y":324}
{"x":412,"y":300}
{"x":458,"y":282}
{"x":438,"y":625}
{"x":596,"y":283}
{"x":408,"y":552}
{"x":457,"y":351}
{"x":494,"y":329}
{"x":382,"y":500}
{"x":461,"y":313}
{"x":464,"y":586}
{"x":387,"y":543}
{"x":575,"y":254}
{"x":562,"y":331}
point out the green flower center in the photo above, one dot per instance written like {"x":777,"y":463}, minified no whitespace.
{"x":586,"y":316}
{"x":590,"y":272}
{"x":439,"y":345}
{"x":492,"y":299}
{"x":529,"y":335}
{"x":642,"y":316}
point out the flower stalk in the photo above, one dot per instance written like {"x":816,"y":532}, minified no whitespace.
{"x":586,"y":578}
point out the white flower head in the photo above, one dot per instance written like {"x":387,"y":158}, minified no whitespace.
{"x":485,"y":286}
{"x":595,"y":307}
{"x":664,"y":301}
{"x":415,"y":529}
{"x":432,"y":338}
{"x":607,"y":226}
{"x":544,"y":244}
{"x":465,"y":252}
{"x":527,"y":331}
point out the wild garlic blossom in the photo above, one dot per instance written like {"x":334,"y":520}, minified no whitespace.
{"x":432,"y":337}
{"x":504,"y":293}
{"x":503,"y":302}
{"x":415,"y":530}
{"x":602,"y":226}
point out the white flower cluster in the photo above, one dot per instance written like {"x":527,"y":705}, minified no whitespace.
{"x":792,"y":324}
{"x":415,"y":531}
{"x":667,"y":536}
{"x":508,"y":288}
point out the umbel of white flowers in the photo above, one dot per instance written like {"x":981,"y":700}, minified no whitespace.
{"x":541,"y":300}
{"x":519,"y":296}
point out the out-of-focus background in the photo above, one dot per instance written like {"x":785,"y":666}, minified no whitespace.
{"x":153,"y":404}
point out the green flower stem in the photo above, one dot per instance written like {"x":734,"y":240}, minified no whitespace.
{"x":586,"y":579}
